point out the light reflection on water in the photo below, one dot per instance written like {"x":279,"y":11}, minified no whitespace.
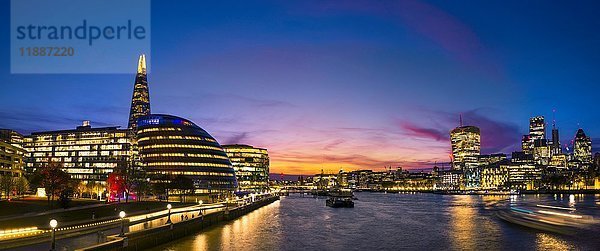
{"x":392,"y":222}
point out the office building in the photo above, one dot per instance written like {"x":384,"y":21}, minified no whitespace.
{"x":582,"y":147}
{"x":251,"y":166}
{"x":555,"y":147}
{"x":523,"y":176}
{"x":466,"y":146}
{"x":86,"y":153}
{"x":11,"y":153}
{"x":537,"y":132}
{"x":495,"y":176}
{"x":171,"y":146}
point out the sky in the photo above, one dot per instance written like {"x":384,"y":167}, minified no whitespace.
{"x":341,"y":84}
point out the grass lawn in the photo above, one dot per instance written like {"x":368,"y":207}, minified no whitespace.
{"x":110,"y":210}
{"x":35,"y":205}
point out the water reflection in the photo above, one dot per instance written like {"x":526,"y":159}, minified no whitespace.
{"x":239,"y":234}
{"x":463,"y":223}
{"x":546,"y":241}
{"x":391,"y":222}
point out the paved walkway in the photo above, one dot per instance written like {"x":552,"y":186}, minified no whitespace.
{"x":60,"y":210}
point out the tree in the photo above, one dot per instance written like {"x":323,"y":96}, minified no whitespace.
{"x":183,"y":185}
{"x":21,"y":185}
{"x":159,"y":189}
{"x":80,"y":188}
{"x":140,"y":184}
{"x":35,"y":180}
{"x":55,"y":181}
{"x":90,"y":187}
{"x":7,"y":184}
{"x":116,"y":184}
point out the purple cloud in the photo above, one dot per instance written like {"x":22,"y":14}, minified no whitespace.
{"x":422,"y":132}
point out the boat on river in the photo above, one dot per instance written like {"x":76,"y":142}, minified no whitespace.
{"x":340,"y":198}
{"x":546,"y":218}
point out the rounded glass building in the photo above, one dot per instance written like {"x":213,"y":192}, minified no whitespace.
{"x":171,"y":147}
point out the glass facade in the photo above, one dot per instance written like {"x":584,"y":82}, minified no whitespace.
{"x":582,"y":147}
{"x":170,"y":146}
{"x":11,"y":153}
{"x":86,"y":153}
{"x":466,"y":146}
{"x":251,"y":166}
{"x":140,"y":101}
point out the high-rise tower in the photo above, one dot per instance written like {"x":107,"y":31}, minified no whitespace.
{"x":466,"y":146}
{"x":555,"y":146}
{"x":582,"y":147}
{"x":140,"y":101}
{"x":537,"y":128}
{"x":537,"y":134}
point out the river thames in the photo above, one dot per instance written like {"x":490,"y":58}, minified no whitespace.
{"x":382,"y":221}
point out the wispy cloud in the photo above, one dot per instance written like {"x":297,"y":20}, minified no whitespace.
{"x":422,"y":132}
{"x":235,"y":138}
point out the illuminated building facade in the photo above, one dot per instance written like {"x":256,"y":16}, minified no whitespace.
{"x":582,"y":147}
{"x":251,"y":166}
{"x":558,"y":160}
{"x":537,"y":132}
{"x":466,"y":147}
{"x":11,"y":153}
{"x":449,"y":180}
{"x":170,"y":146}
{"x":537,"y":128}
{"x":86,"y":153}
{"x":495,"y":176}
{"x":140,"y":101}
{"x":524,"y":176}
{"x":541,"y":152}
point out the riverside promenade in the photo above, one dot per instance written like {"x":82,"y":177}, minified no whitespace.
{"x":102,"y":234}
{"x":182,"y":224}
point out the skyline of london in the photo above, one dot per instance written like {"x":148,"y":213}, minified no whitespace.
{"x":329,"y":96}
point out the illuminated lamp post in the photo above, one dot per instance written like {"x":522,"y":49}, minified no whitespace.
{"x":122,"y":216}
{"x":53,"y":224}
{"x":169,"y":215}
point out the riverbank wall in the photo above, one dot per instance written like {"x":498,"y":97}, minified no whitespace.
{"x":153,"y":237}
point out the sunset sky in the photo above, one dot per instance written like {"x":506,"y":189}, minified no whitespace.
{"x":341,"y":84}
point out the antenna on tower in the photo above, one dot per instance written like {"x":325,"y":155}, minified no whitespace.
{"x":553,"y":118}
{"x":460,"y":118}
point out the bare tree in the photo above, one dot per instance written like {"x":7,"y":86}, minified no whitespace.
{"x":7,"y":184}
{"x":21,"y":185}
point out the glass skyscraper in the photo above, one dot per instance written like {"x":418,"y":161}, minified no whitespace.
{"x":140,"y":101}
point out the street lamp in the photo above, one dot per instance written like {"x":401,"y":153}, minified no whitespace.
{"x":53,"y":224}
{"x":169,"y":215}
{"x":200,"y":203}
{"x":122,"y":216}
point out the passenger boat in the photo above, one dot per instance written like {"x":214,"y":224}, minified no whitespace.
{"x":335,"y":202}
{"x":547,"y":218}
{"x":340,"y":198}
